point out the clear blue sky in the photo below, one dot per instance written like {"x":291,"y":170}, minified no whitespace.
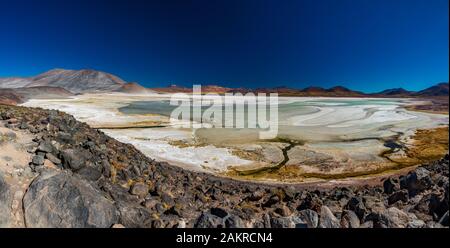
{"x":366,"y":45}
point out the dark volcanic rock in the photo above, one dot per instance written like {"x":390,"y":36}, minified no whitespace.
{"x":207,"y":220}
{"x":283,"y":211}
{"x":38,"y":160}
{"x":220,"y":212}
{"x":53,"y":158}
{"x":60,"y":199}
{"x":416,"y":181}
{"x":134,"y":216}
{"x":90,"y":173}
{"x":282,"y":222}
{"x":133,"y":190}
{"x":139,"y":189}
{"x":349,"y":219}
{"x":310,"y":217}
{"x":73,"y":159}
{"x":327,"y":219}
{"x":401,"y":195}
{"x":356,"y":205}
{"x":233,"y":221}
{"x":272,"y":200}
{"x":394,"y":217}
{"x":45,"y":146}
{"x":390,"y":185}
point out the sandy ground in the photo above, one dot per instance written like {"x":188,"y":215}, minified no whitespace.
{"x":14,"y":166}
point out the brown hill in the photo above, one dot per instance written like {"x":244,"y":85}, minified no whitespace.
{"x":395,"y":92}
{"x":133,"y":88}
{"x":76,"y":81}
{"x":20,"y":95}
{"x":9,"y":97}
{"x":342,"y":91}
{"x":173,"y":89}
{"x":440,"y":89}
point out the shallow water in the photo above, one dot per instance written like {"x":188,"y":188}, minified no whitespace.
{"x":350,"y":130}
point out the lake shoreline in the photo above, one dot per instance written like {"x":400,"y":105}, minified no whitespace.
{"x":151,"y":126}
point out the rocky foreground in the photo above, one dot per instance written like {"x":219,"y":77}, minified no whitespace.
{"x":77,"y":176}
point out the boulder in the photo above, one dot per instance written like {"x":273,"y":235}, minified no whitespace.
{"x":140,"y":189}
{"x":220,"y":212}
{"x":53,"y":158}
{"x":349,"y":219}
{"x":310,"y":217}
{"x":37,"y":160}
{"x":327,"y":219}
{"x":207,"y":220}
{"x":395,"y":218}
{"x":256,"y":195}
{"x":311,"y":201}
{"x":233,"y":221}
{"x":390,"y":185}
{"x":45,"y":146}
{"x":133,"y":215}
{"x":416,"y":181}
{"x":356,"y":205}
{"x":282,"y":222}
{"x":272,"y":200}
{"x":90,"y":173}
{"x":283,"y":211}
{"x":401,"y":195}
{"x":73,"y":159}
{"x":62,"y":199}
{"x":437,"y":205}
{"x":415,"y":222}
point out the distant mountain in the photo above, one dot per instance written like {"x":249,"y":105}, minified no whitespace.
{"x":20,"y":95}
{"x":133,"y":88}
{"x":78,"y":81}
{"x":90,"y":81}
{"x":173,"y":88}
{"x":205,"y":89}
{"x":342,"y":91}
{"x":215,"y":89}
{"x":75,"y":81}
{"x":312,"y":90}
{"x":440,"y":89}
{"x":394,"y":92}
{"x":337,"y":91}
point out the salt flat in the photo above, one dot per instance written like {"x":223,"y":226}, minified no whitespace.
{"x":331,"y":135}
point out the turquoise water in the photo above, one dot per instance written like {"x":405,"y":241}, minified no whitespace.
{"x":286,"y":111}
{"x":164,"y":108}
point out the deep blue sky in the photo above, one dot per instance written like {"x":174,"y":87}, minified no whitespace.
{"x":366,"y":45}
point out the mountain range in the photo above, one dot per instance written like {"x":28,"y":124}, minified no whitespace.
{"x":62,"y":83}
{"x":75,"y":81}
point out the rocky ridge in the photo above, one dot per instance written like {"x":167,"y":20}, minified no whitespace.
{"x":83,"y":178}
